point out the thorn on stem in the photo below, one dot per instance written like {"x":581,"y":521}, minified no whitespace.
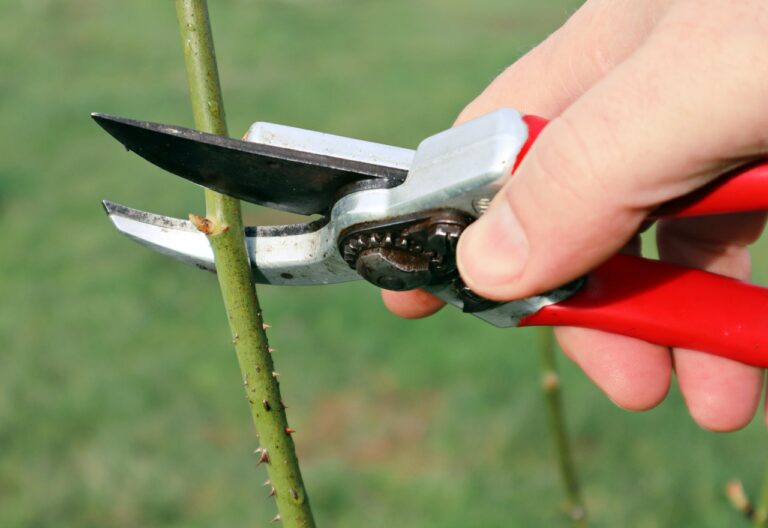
{"x":245,"y":380}
{"x":294,"y":494}
{"x":275,"y":373}
{"x":267,"y":406}
{"x":266,"y":326}
{"x":290,"y":431}
{"x":270,"y":350}
{"x":276,"y":518}
{"x":282,"y":403}
{"x":235,"y":339}
{"x":267,"y":482}
{"x":272,"y":492}
{"x":550,"y":381}
{"x":263,"y":458}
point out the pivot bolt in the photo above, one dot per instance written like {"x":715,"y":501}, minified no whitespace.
{"x":393,"y":269}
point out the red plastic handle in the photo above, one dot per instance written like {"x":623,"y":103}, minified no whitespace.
{"x":668,"y":305}
{"x":743,"y":190}
{"x":672,"y":305}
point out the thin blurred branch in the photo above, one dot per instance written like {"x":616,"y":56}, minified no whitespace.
{"x":734,"y":492}
{"x":552,"y":393}
{"x":223,"y":225}
{"x":760,"y":517}
{"x":737,"y":496}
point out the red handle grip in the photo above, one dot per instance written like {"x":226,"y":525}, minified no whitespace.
{"x":743,"y":190}
{"x":668,"y":305}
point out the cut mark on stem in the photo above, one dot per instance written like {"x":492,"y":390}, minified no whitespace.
{"x":206,"y":225}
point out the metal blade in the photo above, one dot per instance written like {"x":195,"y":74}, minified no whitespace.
{"x":292,"y":255}
{"x":281,"y":167}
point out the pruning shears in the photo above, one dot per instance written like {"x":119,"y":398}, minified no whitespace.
{"x":393,"y":216}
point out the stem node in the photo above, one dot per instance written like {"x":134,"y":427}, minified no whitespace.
{"x":207,"y":226}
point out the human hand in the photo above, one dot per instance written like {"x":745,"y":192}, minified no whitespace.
{"x":649,"y":101}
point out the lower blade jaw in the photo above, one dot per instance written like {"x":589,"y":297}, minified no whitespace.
{"x":306,"y":256}
{"x":173,"y":237}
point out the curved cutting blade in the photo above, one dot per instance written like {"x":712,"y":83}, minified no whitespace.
{"x":295,"y":255}
{"x":280,"y":167}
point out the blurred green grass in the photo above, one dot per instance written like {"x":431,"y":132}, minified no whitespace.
{"x":120,"y":401}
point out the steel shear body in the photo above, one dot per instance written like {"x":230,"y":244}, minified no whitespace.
{"x":393,"y":216}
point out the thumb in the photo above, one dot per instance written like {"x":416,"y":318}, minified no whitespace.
{"x":552,"y":222}
{"x":624,"y":147}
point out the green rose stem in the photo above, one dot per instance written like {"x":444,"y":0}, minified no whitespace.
{"x":224,"y":228}
{"x":550,"y":383}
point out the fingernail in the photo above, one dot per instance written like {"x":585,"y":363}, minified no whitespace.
{"x":493,"y":250}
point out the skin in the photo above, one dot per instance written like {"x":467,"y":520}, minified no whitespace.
{"x":649,"y":101}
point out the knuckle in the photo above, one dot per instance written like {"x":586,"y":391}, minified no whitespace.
{"x":565,"y":162}
{"x":722,"y":24}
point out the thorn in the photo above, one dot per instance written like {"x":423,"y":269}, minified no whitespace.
{"x":272,"y":492}
{"x":270,"y":350}
{"x":235,"y":339}
{"x":283,"y":404}
{"x":264,"y":458}
{"x":289,"y":430}
{"x":267,"y":483}
{"x":550,"y":381}
{"x":258,"y":450}
{"x":266,"y":326}
{"x":267,"y":406}
{"x":275,"y":373}
{"x":294,"y":494}
{"x":276,"y":518}
{"x":245,"y":380}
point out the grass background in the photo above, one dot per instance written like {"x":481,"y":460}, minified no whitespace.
{"x":120,"y":400}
